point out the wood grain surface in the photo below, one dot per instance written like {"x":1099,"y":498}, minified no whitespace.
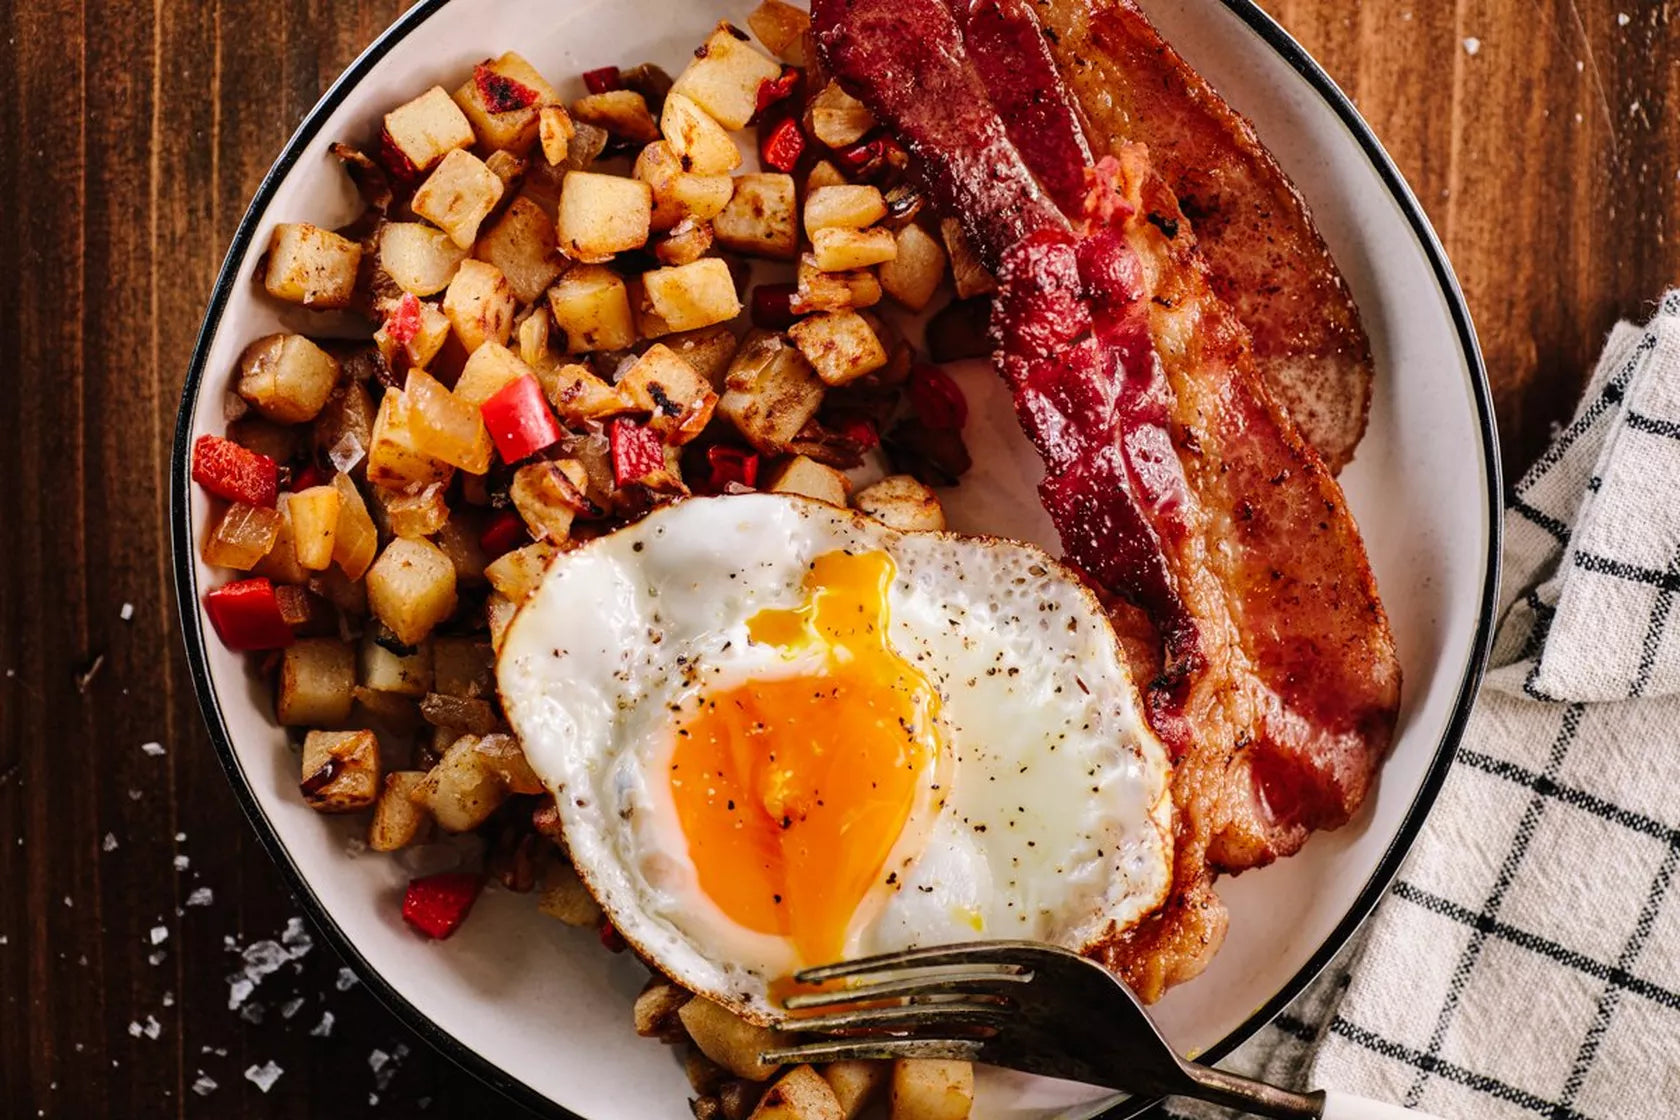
{"x":1543,"y":137}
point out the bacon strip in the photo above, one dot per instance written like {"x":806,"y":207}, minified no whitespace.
{"x":1174,"y":478}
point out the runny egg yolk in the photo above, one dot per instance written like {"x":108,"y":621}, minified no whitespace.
{"x":793,"y":791}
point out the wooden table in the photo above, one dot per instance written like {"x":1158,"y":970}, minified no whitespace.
{"x":1543,"y":136}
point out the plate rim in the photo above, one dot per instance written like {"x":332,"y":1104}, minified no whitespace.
{"x":185,"y":581}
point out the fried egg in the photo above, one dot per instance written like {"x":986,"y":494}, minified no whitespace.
{"x":781,"y":734}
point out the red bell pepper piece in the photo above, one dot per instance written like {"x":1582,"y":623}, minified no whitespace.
{"x":783,"y":146}
{"x":519,"y":420}
{"x":938,"y":401}
{"x":861,"y":430}
{"x":438,"y":904}
{"x":731,"y":465}
{"x":611,"y":939}
{"x":774,"y":90}
{"x":310,"y":475}
{"x":772,"y":306}
{"x":503,"y":534}
{"x":247,"y":616}
{"x":637,"y":451}
{"x":873,"y":159}
{"x":501,"y":93}
{"x":402,"y":322}
{"x":604,"y":80}
{"x":236,"y":473}
{"x":395,"y":160}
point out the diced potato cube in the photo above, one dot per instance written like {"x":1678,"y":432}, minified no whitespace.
{"x":355,"y":539}
{"x":770,"y":392}
{"x":548,"y":495}
{"x":725,"y":75}
{"x":689,"y":240}
{"x":314,"y":526}
{"x":762,"y":217}
{"x":837,"y":118}
{"x":925,"y":1089}
{"x":243,"y":536}
{"x":855,"y":1084}
{"x":397,"y":820}
{"x":460,"y":791}
{"x":841,"y":250}
{"x":781,"y":27}
{"x":679,"y":194}
{"x":317,"y":678}
{"x":730,"y":1040}
{"x":425,"y":130}
{"x":394,"y":456}
{"x":602,"y":215}
{"x":967,"y":273}
{"x":415,"y":512}
{"x":622,"y":112}
{"x":903,"y":503}
{"x":840,"y":345}
{"x":517,"y":574}
{"x":823,"y":174}
{"x":463,"y":667}
{"x":499,"y":611}
{"x":411,"y":588}
{"x":521,"y":244}
{"x":708,"y":351}
{"x":429,"y":337}
{"x":799,"y":1094}
{"x":565,"y":898}
{"x":480,"y":305}
{"x":505,"y":758}
{"x":340,"y":770}
{"x":592,"y":305}
{"x":811,"y":479}
{"x":847,"y":207}
{"x":833,"y":291}
{"x":578,"y":395}
{"x":513,"y":129}
{"x":419,"y":259}
{"x":655,"y":1009}
{"x":914,"y":274}
{"x":677,"y":397}
{"x":446,"y":428}
{"x":384,"y":670}
{"x":280,"y":563}
{"x":556,"y":130}
{"x":703,"y":145}
{"x":312,"y":266}
{"x":490,"y":369}
{"x":458,"y":196}
{"x":286,"y":377}
{"x":693,"y":295}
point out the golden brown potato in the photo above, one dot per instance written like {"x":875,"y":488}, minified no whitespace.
{"x":602,"y":215}
{"x":516,"y":574}
{"x":425,"y":130}
{"x":708,"y":350}
{"x":480,"y":305}
{"x":693,"y":296}
{"x":397,"y":820}
{"x":592,"y":306}
{"x":856,"y":1084}
{"x":419,"y":259}
{"x":678,"y":399}
{"x":841,"y":250}
{"x":458,"y":196}
{"x":837,"y":118}
{"x":799,"y":1094}
{"x":395,"y":458}
{"x":833,"y":291}
{"x":312,"y":266}
{"x":903,"y":503}
{"x":286,"y":377}
{"x":317,"y":676}
{"x":355,"y":539}
{"x":840,"y":345}
{"x":730,"y":1040}
{"x":655,"y":1009}
{"x":770,"y":392}
{"x":781,"y":27}
{"x":446,"y":428}
{"x":513,"y":129}
{"x":402,"y":674}
{"x":505,"y":758}
{"x":924,"y":1089}
{"x":679,"y":194}
{"x":762,"y":217}
{"x":460,"y":792}
{"x":844,"y":207}
{"x":548,"y":496}
{"x":622,"y":112}
{"x":521,"y":244}
{"x":340,"y":770}
{"x":578,"y":395}
{"x":565,"y":898}
{"x":724,"y":78}
{"x":556,"y":129}
{"x":314,"y":526}
{"x":490,"y":369}
{"x":913,"y":275}
{"x":430,"y":334}
{"x":811,"y":479}
{"x":687,"y":242}
{"x":411,"y":588}
{"x":704,"y":146}
{"x":823,"y":174}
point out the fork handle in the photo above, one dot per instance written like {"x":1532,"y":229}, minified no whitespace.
{"x":1346,"y":1106}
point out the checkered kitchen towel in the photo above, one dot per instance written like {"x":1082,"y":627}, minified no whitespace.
{"x":1527,"y":961}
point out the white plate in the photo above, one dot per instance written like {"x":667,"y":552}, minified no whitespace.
{"x":538,"y":1009}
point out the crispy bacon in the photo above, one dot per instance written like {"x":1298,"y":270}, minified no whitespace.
{"x":1264,"y":255}
{"x":1175,"y":480}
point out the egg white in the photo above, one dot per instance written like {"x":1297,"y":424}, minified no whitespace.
{"x":1053,"y":818}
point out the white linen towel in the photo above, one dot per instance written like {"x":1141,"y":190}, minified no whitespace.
{"x":1527,"y":960}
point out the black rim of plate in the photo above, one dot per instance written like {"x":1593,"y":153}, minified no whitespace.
{"x":186,"y":583}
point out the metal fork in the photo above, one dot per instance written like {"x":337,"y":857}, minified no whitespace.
{"x":1029,"y":1007}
